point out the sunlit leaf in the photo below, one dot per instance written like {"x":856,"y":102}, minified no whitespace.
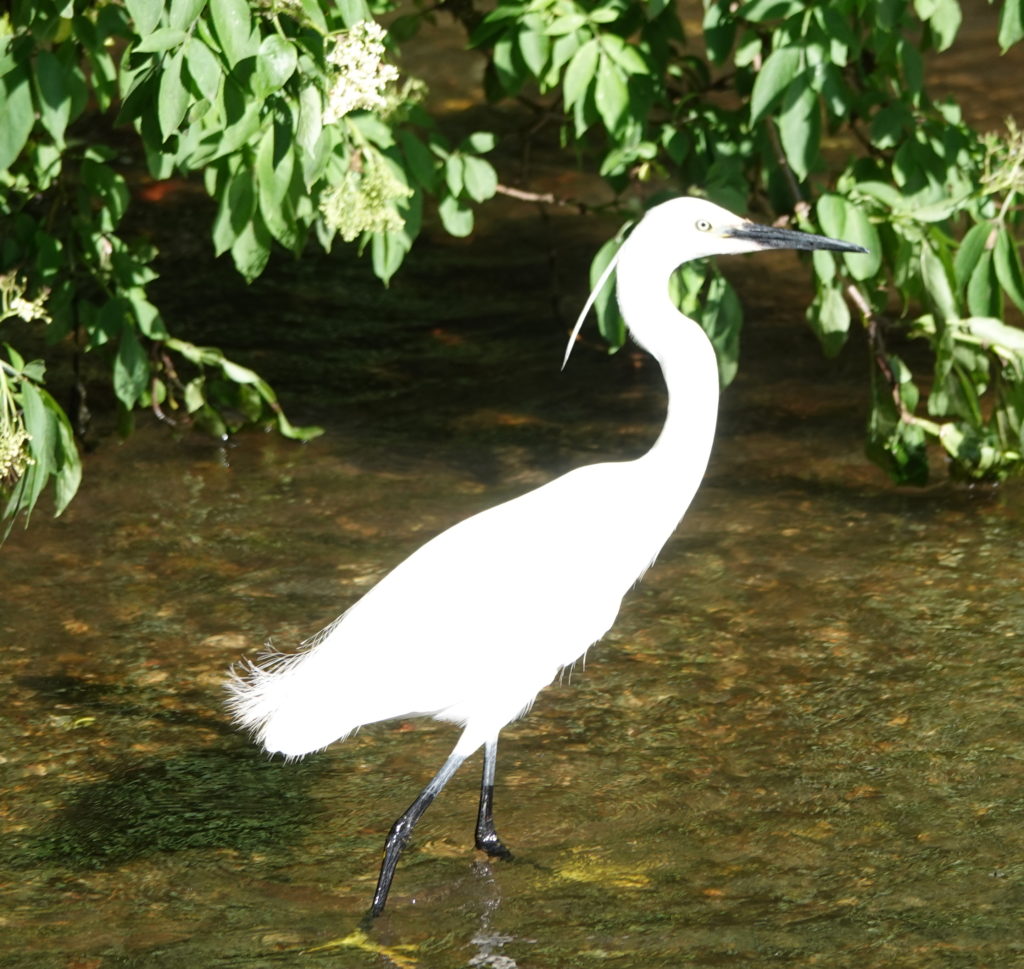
{"x":160,"y":40}
{"x":54,"y":95}
{"x":131,"y":368}
{"x":579,"y":75}
{"x":479,"y":178}
{"x":16,"y":115}
{"x":1011,"y":24}
{"x":983,"y":294}
{"x":276,"y":61}
{"x":145,"y":14}
{"x":971,"y":247}
{"x":456,"y":216}
{"x":184,"y":12}
{"x":251,"y":249}
{"x":800,"y":129}
{"x":1008,"y":268}
{"x":233,"y":22}
{"x":611,"y":94}
{"x":174,"y":97}
{"x":776,"y":74}
{"x":937,"y":284}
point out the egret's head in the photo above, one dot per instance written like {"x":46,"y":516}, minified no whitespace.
{"x":688,"y":228}
{"x":694,"y":228}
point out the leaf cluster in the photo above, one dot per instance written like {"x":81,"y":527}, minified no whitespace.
{"x":293,"y":115}
{"x":818,"y":112}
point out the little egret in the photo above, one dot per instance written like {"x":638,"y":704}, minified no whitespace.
{"x":471,"y":626}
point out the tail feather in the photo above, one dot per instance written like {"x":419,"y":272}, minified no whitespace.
{"x":286,"y":703}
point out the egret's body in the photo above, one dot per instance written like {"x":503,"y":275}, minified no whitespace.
{"x":476,"y":622}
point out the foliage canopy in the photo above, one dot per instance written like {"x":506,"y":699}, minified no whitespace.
{"x":303,"y":129}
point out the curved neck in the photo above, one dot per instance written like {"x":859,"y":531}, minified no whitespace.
{"x":680,"y":455}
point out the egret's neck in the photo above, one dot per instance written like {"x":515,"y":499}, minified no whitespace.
{"x":677,"y":461}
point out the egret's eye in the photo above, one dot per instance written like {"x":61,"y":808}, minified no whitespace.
{"x":702,"y":225}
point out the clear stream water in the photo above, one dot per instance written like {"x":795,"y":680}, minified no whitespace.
{"x":800,"y":746}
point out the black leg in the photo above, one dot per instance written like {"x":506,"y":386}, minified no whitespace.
{"x":401,"y":830}
{"x":486,"y":837}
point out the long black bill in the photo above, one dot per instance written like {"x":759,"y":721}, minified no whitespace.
{"x":772,"y":237}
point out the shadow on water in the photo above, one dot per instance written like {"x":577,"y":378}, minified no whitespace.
{"x":210,"y":800}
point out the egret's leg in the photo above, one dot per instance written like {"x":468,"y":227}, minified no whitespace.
{"x":401,"y":830}
{"x":486,"y":837}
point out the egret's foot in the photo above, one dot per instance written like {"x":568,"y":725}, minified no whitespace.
{"x":489,"y":842}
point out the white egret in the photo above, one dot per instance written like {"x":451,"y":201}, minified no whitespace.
{"x":471,"y":626}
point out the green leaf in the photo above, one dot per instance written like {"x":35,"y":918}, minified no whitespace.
{"x":760,"y":11}
{"x":145,"y":14}
{"x":237,"y":205}
{"x":721,"y":317}
{"x":274,"y":177}
{"x":611,"y":94}
{"x":388,"y":252}
{"x":1008,"y":268}
{"x":454,"y":168}
{"x":832,"y":320}
{"x":937,"y":284}
{"x":184,"y":12}
{"x":233,"y":22}
{"x":174,"y":97}
{"x":534,"y":48}
{"x":610,"y":323}
{"x":131,"y":368}
{"x":983,"y":294}
{"x":625,"y":55}
{"x":800,"y":128}
{"x":251,"y":250}
{"x":971,"y":247}
{"x":147,"y":316}
{"x":16,"y":115}
{"x":419,"y":161}
{"x":203,"y":67}
{"x":276,"y":61}
{"x":824,"y":265}
{"x":1011,"y":24}
{"x":996,"y":333}
{"x":719,"y":31}
{"x":42,"y":446}
{"x":779,"y":70}
{"x":560,"y":26}
{"x":69,"y":473}
{"x":160,"y":40}
{"x":860,"y":230}
{"x":308,"y":135}
{"x":480,"y":142}
{"x":456,"y":217}
{"x":943,"y":17}
{"x":54,"y":96}
{"x":353,"y":11}
{"x":479,"y":178}
{"x":579,"y":75}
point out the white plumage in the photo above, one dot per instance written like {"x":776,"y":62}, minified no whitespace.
{"x":473,"y":624}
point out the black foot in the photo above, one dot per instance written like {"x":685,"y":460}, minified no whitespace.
{"x":490,"y":843}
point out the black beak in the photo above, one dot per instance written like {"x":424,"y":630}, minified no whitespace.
{"x":772,"y":237}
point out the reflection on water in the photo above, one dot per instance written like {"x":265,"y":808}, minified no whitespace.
{"x":801,"y":745}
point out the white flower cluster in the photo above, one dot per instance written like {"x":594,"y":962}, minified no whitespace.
{"x":13,"y":302}
{"x":14,"y":456}
{"x":360,"y":74}
{"x":365,"y":200}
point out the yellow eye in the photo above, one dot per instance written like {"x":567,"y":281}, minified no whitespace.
{"x":702,"y":225}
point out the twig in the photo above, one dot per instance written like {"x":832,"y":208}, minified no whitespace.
{"x":542,"y":198}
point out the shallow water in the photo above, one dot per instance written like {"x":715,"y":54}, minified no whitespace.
{"x":800,"y":746}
